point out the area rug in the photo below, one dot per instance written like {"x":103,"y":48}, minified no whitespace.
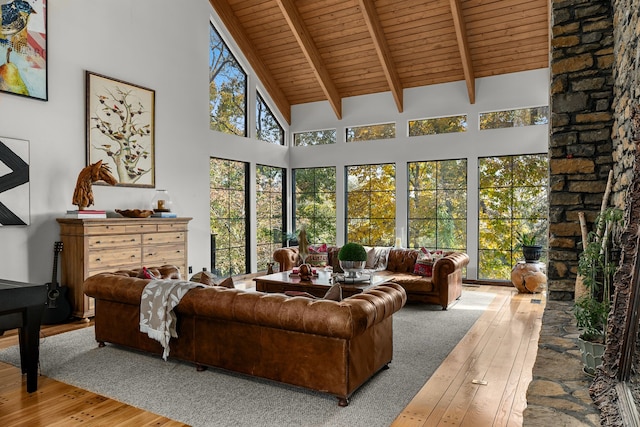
{"x":423,"y":337}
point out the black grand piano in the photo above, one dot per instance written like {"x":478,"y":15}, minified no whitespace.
{"x":21,"y":306}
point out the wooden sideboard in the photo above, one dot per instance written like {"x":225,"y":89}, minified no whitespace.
{"x":96,"y":245}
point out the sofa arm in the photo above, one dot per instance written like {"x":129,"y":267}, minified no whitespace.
{"x":453,"y":261}
{"x":287,"y":258}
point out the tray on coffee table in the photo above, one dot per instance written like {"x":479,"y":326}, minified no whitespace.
{"x":317,"y":286}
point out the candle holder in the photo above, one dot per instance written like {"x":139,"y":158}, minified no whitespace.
{"x":161,"y":201}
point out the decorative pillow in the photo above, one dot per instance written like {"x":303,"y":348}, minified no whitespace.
{"x":226,"y":283}
{"x":318,"y":259}
{"x":382,"y":257}
{"x":424,"y":263}
{"x":144,"y":273}
{"x":334,"y":293}
{"x":314,"y":249}
{"x":371,"y":257}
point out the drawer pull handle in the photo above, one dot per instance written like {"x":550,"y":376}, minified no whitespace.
{"x":98,"y":242}
{"x":98,"y":259}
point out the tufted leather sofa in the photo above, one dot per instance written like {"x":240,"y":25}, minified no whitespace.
{"x":328,"y":346}
{"x":443,"y":287}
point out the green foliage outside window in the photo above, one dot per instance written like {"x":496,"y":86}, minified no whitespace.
{"x":371,"y":132}
{"x":315,"y":203}
{"x":228,"y":215}
{"x":512,"y":199}
{"x":269,"y":212}
{"x":227,"y":89}
{"x":371,"y":204}
{"x":438,"y":125}
{"x":267,"y":127}
{"x":317,"y":137}
{"x":438,"y":204}
{"x":514,"y":118}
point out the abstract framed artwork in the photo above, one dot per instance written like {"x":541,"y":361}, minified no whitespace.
{"x":14,"y":182}
{"x":23,"y":48}
{"x":120,"y":129}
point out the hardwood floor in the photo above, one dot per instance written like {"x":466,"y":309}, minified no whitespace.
{"x":499,"y":349}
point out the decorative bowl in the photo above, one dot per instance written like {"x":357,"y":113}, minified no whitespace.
{"x":352,"y":269}
{"x":134,"y":213}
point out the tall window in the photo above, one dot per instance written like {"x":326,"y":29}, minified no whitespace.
{"x":315,"y":203}
{"x":438,"y":204}
{"x":228,"y":213}
{"x":227,"y":89}
{"x":371,"y":204}
{"x":371,"y":132}
{"x":514,"y":118}
{"x":317,"y":137}
{"x":267,"y":127}
{"x":270,"y":185}
{"x":512,"y":198}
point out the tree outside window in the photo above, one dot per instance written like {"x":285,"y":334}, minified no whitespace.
{"x":318,"y":137}
{"x":228,"y":216}
{"x":267,"y":127}
{"x":227,"y":89}
{"x":315,"y":203}
{"x":438,"y":204}
{"x":371,"y":204}
{"x":512,"y":199}
{"x":270,"y":185}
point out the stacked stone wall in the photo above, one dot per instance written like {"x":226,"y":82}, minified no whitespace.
{"x":626,"y":72}
{"x":580,"y":144}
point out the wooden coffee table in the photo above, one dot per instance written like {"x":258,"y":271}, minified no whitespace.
{"x":317,"y":286}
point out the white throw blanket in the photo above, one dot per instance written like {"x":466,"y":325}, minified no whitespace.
{"x":157,"y":318}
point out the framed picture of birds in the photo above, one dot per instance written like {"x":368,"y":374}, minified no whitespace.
{"x":120,"y":129}
{"x":23,"y":48}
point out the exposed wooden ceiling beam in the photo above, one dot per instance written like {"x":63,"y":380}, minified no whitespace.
{"x":382,"y":49}
{"x":463,"y":46}
{"x":235,"y":29}
{"x":301,"y":33}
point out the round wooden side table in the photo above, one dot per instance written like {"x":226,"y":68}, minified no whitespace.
{"x":528,"y":277}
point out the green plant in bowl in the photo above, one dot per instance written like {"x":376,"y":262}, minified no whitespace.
{"x":352,"y":258}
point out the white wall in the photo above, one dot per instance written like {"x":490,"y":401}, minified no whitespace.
{"x":163,"y":45}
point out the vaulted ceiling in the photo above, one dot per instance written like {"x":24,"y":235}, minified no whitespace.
{"x":325,"y":50}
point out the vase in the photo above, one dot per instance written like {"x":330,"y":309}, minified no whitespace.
{"x":352,"y":269}
{"x":591,"y":353}
{"x":161,"y":201}
{"x":531,"y":253}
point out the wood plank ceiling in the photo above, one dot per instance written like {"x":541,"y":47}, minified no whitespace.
{"x":325,"y":50}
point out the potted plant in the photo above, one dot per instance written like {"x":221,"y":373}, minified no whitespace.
{"x":352,"y":258}
{"x":597,"y":267}
{"x":530,"y":248}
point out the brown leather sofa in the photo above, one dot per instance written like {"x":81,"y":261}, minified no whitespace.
{"x":443,"y":287}
{"x":327,"y":346}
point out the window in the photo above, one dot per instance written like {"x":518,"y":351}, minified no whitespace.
{"x":512,"y":198}
{"x":227,"y":89}
{"x":267,"y":127}
{"x":438,"y":125}
{"x":371,"y":132}
{"x":228,"y":212}
{"x":318,"y":137}
{"x":270,"y":203}
{"x":514,"y":118}
{"x":315,"y":203}
{"x":438,"y":204}
{"x":371,"y":204}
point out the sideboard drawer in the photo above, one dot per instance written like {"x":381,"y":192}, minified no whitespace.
{"x":106,"y":229}
{"x":163,"y":238}
{"x":112,"y":241}
{"x":114,"y":259}
{"x":158,"y":255}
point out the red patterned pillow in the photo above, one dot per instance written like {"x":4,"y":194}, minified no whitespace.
{"x":144,"y":273}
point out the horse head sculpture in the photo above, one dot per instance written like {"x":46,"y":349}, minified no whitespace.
{"x":83,"y":194}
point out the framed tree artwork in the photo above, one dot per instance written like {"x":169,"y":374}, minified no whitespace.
{"x":23,"y":48}
{"x":121,"y":129}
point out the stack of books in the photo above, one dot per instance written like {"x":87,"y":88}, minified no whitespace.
{"x":86,"y":213}
{"x":164,"y":215}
